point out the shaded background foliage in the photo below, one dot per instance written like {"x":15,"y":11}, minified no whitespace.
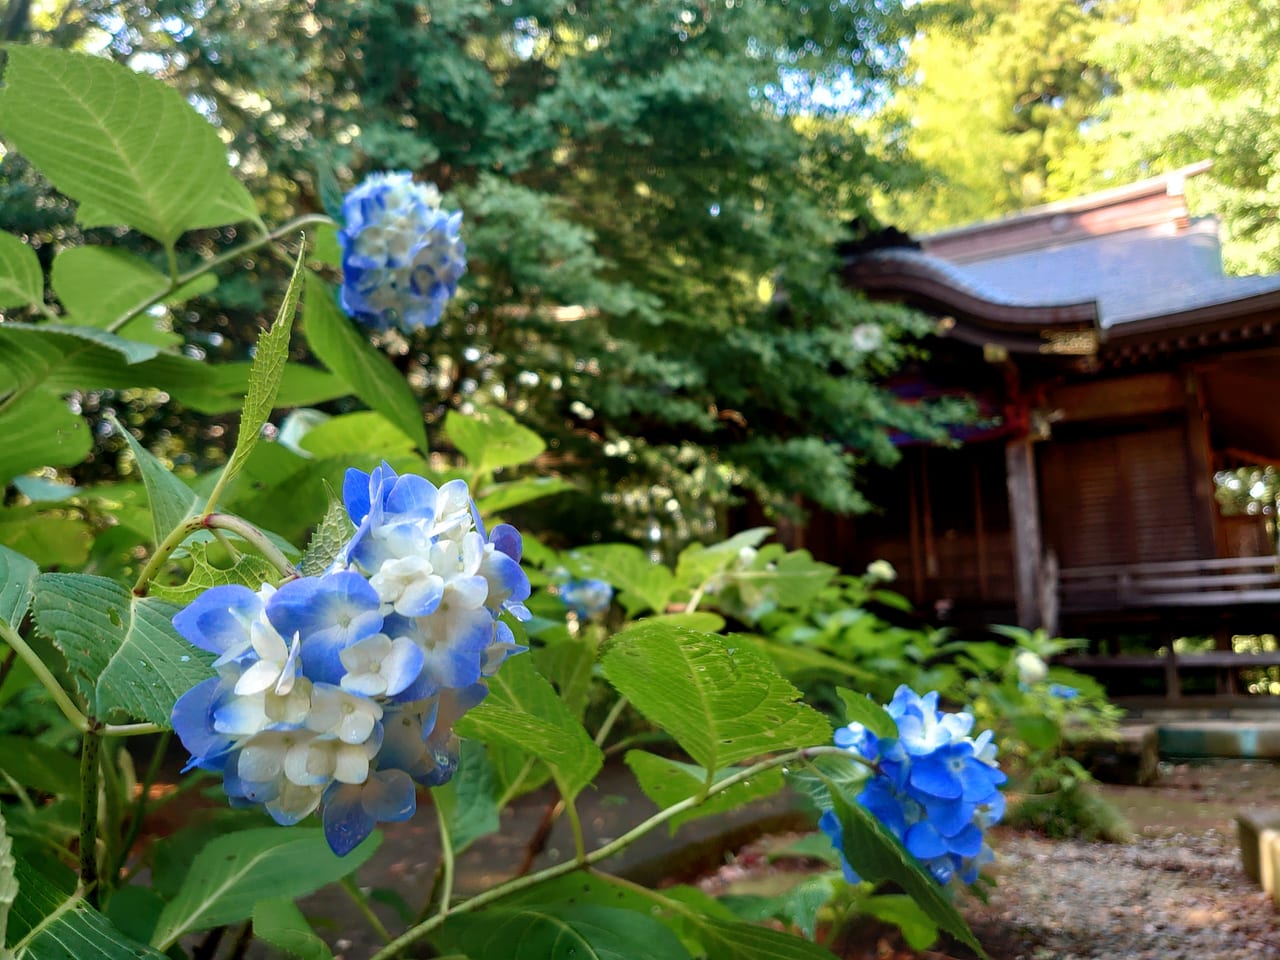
{"x":652,"y":209}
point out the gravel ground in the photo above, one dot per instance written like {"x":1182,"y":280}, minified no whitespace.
{"x":1177,"y":891}
{"x":1161,"y":897}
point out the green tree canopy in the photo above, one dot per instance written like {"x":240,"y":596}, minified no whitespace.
{"x":997,"y":89}
{"x":1195,"y":80}
{"x":653,"y":278}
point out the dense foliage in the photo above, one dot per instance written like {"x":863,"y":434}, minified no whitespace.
{"x":652,"y":232}
{"x":342,"y":677}
{"x":1010,"y":104}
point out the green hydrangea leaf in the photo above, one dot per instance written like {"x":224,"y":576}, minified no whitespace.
{"x":523,"y":711}
{"x":21,"y":279}
{"x":368,"y":373}
{"x":264,"y":379}
{"x":722,"y":700}
{"x":123,"y":653}
{"x":99,"y":285}
{"x":247,"y":570}
{"x":667,"y":782}
{"x":491,"y":439}
{"x":560,"y":932}
{"x":17,"y":577}
{"x":878,"y":856}
{"x":280,"y":923}
{"x":467,"y":801}
{"x":50,"y":920}
{"x":234,"y":873}
{"x":641,"y":582}
{"x":108,"y":138}
{"x":40,"y":431}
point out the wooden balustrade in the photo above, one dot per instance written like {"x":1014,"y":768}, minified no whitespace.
{"x":1176,"y":583}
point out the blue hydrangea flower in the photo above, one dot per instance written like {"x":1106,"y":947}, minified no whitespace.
{"x":587,"y":598}
{"x":1063,"y":692}
{"x":402,"y":255}
{"x":935,"y":788}
{"x":340,"y":692}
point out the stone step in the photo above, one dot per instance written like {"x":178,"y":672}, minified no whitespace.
{"x":1247,"y":740}
{"x":1259,"y":834}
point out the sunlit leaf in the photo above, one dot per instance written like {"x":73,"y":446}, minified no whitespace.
{"x":98,"y":285}
{"x":667,"y":782}
{"x":344,"y":350}
{"x":491,"y":439}
{"x":641,"y":582}
{"x":522,"y":710}
{"x":264,"y":377}
{"x":109,"y":138}
{"x":722,"y":701}
{"x":247,"y":570}
{"x":21,"y":279}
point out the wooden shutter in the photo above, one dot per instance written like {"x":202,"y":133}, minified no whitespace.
{"x":1123,"y":498}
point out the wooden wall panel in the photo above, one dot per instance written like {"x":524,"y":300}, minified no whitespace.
{"x":1123,"y":498}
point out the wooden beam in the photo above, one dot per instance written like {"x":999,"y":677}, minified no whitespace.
{"x":1024,"y":521}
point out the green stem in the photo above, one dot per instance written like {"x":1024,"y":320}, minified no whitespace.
{"x":140,"y":805}
{"x":6,"y":665}
{"x":579,"y":840}
{"x":46,"y":677}
{"x":603,"y":852}
{"x":251,"y":535}
{"x":511,"y":792}
{"x":171,"y":253}
{"x":667,"y":903}
{"x":112,"y":819}
{"x":607,"y":727}
{"x":362,"y":904}
{"x":131,"y":729}
{"x":183,"y":279}
{"x":214,"y":521}
{"x":446,"y":860}
{"x":90,"y":748}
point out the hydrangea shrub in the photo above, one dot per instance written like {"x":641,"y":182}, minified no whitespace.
{"x":336,"y":686}
{"x":402,"y":255}
{"x":340,"y":691}
{"x":588,"y":599}
{"x":935,"y":787}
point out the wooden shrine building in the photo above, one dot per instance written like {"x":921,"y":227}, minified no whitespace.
{"x":1116,"y":369}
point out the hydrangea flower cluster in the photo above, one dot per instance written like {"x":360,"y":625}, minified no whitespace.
{"x":341,"y":691}
{"x":587,"y":598}
{"x":935,"y":787}
{"x":401,"y":254}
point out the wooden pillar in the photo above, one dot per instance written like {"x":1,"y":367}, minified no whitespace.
{"x":917,"y":553}
{"x":980,"y":532}
{"x":1024,"y":520}
{"x":1200,"y":454}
